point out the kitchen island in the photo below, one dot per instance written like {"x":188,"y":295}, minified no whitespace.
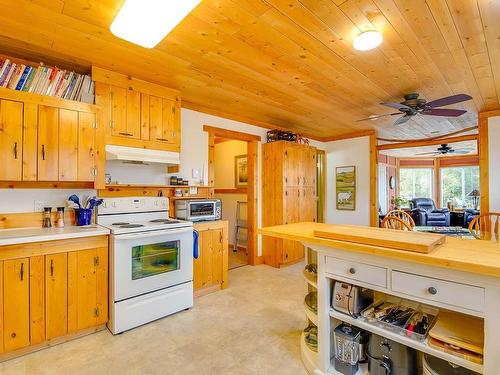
{"x":460,"y":275}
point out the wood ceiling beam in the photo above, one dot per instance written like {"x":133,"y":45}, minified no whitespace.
{"x":431,"y":142}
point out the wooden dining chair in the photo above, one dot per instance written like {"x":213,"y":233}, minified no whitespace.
{"x":403,"y":215}
{"x":393,"y":222}
{"x":486,"y":226}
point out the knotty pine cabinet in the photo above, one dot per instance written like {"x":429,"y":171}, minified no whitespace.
{"x":138,"y":113}
{"x":288,"y":196}
{"x":47,"y":139}
{"x":58,"y":288}
{"x":210,"y":269}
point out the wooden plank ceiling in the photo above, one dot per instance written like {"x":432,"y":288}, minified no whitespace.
{"x":287,"y":63}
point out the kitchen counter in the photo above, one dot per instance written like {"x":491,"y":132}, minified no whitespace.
{"x":34,"y":234}
{"x":474,"y":256}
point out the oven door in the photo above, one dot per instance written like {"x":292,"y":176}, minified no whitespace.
{"x":201,"y":210}
{"x":149,"y":261}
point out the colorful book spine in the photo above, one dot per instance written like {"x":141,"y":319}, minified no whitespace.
{"x":23,"y":78}
{"x":5,"y":71}
{"x":12,"y":68}
{"x":29,"y":80}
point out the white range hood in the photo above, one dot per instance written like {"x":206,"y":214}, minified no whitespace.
{"x":142,"y":155}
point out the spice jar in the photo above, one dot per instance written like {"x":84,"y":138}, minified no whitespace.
{"x":47,"y":221}
{"x":60,"y":217}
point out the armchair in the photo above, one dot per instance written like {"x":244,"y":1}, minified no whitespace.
{"x":425,"y":213}
{"x":469,"y":215}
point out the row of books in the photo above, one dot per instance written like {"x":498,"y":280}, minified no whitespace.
{"x":47,"y":80}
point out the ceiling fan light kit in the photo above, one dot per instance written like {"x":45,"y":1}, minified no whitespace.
{"x":367,"y":40}
{"x":147,"y":22}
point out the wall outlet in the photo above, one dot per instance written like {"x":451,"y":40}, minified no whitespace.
{"x":196,"y":173}
{"x":39,"y":205}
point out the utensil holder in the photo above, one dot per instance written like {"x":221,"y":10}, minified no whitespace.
{"x":83,"y":216}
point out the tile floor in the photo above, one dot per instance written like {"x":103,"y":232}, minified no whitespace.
{"x":251,"y":328}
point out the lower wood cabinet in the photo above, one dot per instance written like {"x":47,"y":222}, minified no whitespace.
{"x":210,"y":269}
{"x":58,"y":288}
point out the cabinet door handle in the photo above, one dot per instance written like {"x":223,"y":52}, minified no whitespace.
{"x":162,"y":139}
{"x":43,"y":152}
{"x":22,"y":272}
{"x":432,"y":290}
{"x":126,"y":134}
{"x":52,"y":267}
{"x":15,"y":150}
{"x":298,"y":193}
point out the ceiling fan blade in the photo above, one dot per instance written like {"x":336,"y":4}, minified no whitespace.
{"x":444,"y":112}
{"x":449,"y":100}
{"x":429,"y":153}
{"x":398,"y":106}
{"x":402,"y":120}
{"x":463,"y":151}
{"x":375,"y":117}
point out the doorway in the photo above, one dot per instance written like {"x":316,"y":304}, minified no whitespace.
{"x":232,"y":171}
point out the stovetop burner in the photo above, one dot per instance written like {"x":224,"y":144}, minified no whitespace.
{"x":121,"y":223}
{"x":131,"y":226}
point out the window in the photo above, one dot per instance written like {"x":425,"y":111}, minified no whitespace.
{"x":456,"y":183}
{"x":415,"y":183}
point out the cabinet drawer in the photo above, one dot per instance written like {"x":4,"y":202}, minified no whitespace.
{"x":451,"y":293}
{"x":357,"y":271}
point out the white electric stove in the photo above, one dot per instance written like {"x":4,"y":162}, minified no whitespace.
{"x":151,"y":261}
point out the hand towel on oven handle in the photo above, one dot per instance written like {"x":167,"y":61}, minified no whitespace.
{"x":195,"y":244}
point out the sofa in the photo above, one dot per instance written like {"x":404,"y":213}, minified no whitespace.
{"x":469,"y":215}
{"x":424,"y":213}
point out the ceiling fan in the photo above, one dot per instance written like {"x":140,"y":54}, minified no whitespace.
{"x":413,"y":105}
{"x":444,"y":149}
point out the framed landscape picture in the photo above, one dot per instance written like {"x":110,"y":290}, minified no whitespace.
{"x":345,"y":179}
{"x":240,"y":171}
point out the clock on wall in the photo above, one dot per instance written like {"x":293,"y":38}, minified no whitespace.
{"x":391,"y":182}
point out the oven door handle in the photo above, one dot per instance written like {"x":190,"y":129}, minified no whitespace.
{"x":153,"y":233}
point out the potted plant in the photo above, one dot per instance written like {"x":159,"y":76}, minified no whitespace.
{"x":398,"y":201}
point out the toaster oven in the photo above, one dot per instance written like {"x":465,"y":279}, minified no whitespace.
{"x":198,"y":209}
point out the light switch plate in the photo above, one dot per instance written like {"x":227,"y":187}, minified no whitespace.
{"x":196,"y":173}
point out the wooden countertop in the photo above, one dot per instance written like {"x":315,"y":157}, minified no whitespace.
{"x":474,"y":256}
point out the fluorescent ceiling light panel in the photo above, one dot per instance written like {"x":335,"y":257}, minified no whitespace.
{"x":367,"y":40}
{"x":147,"y":22}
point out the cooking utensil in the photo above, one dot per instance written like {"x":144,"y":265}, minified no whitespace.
{"x":72,"y":205}
{"x":74,"y":198}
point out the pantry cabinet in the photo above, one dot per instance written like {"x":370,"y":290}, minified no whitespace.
{"x":289,"y":196}
{"x":138,"y":113}
{"x":210,"y":269}
{"x":47,"y":139}
{"x":51,"y":290}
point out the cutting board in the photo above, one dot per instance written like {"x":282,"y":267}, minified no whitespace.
{"x":459,"y":330}
{"x":395,"y":239}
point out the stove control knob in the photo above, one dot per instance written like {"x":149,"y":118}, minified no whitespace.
{"x":113,"y":204}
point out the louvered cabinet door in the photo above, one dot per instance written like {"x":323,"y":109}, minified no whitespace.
{"x":56,"y":295}
{"x":48,"y":143}
{"x":16,"y":304}
{"x":11,"y":140}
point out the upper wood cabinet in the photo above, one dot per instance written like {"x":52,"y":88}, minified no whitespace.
{"x":11,"y":140}
{"x":47,"y":139}
{"x":138,"y":113}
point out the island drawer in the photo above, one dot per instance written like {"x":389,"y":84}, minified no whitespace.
{"x":357,"y":271}
{"x":431,"y":289}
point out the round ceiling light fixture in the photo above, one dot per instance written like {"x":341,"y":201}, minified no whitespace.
{"x":367,"y":40}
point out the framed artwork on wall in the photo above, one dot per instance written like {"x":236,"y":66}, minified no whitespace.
{"x":240,"y":171}
{"x":345,"y":181}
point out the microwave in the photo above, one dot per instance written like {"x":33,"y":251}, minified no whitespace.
{"x":198,"y":209}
